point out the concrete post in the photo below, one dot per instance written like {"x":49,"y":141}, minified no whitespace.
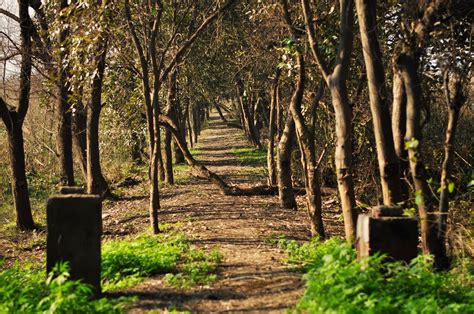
{"x":74,"y":224}
{"x":388,"y":232}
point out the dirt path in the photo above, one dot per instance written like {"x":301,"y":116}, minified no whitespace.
{"x":252,"y":276}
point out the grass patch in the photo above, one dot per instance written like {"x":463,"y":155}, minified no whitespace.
{"x":250,"y":156}
{"x":337,"y":283}
{"x":197,"y":268}
{"x":127,"y":262}
{"x":23,"y":289}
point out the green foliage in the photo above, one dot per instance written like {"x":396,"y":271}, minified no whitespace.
{"x":128,"y":262}
{"x":197,"y":269}
{"x":338,"y":283}
{"x":250,"y":156}
{"x":25,"y":290}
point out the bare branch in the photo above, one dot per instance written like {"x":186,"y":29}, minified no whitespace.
{"x":10,"y":15}
{"x":187,"y":45}
{"x":5,"y":114}
{"x":308,"y":18}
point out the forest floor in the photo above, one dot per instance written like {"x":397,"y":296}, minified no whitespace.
{"x":252,"y":276}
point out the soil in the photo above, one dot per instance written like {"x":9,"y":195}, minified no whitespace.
{"x":253,"y":276}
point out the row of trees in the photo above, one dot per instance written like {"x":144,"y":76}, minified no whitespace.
{"x":285,"y":70}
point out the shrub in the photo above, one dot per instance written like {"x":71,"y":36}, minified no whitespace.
{"x":127,"y":262}
{"x":27,"y":290}
{"x":338,"y":283}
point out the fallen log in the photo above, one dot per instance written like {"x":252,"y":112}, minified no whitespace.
{"x":201,"y":171}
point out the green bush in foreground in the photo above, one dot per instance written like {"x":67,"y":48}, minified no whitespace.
{"x":27,"y":290}
{"x":127,"y":262}
{"x":337,"y":282}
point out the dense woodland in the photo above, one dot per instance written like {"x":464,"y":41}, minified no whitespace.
{"x":362,"y":102}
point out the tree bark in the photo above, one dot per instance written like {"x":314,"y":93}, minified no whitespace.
{"x":286,"y":195}
{"x":336,"y":82}
{"x":408,"y":63}
{"x":454,"y":100}
{"x":170,"y":111}
{"x":388,"y":161}
{"x":64,"y":136}
{"x":272,"y":131}
{"x":306,"y":142}
{"x":96,"y":183}
{"x":424,"y":200}
{"x":21,"y":199}
{"x":14,"y":118}
{"x":399,"y":128}
{"x":79,"y":130}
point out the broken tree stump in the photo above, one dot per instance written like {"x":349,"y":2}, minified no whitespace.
{"x":388,"y":232}
{"x":74,"y":223}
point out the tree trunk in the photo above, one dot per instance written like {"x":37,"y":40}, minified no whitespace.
{"x":96,"y":183}
{"x":399,"y":128}
{"x":424,"y":200}
{"x":271,"y":131}
{"x":313,"y":192}
{"x":219,"y":111}
{"x":171,"y":112}
{"x":195,"y":123}
{"x":79,"y":130}
{"x":14,"y":118}
{"x":63,"y":110}
{"x":286,"y":195}
{"x":154,"y":184}
{"x":247,"y":118}
{"x":455,"y":100}
{"x":21,"y":198}
{"x":388,"y":161}
{"x":279,"y":117}
{"x":343,"y":156}
{"x":189,"y":113}
{"x":336,"y":82}
{"x":168,"y":160}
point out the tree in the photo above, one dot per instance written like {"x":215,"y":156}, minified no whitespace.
{"x":336,"y":82}
{"x":14,"y":118}
{"x":389,"y":166}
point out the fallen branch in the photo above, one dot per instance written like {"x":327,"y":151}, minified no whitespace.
{"x":201,"y":171}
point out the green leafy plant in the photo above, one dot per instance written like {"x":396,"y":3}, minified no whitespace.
{"x":338,"y":283}
{"x":128,"y":262}
{"x":24,"y":289}
{"x":198,"y":269}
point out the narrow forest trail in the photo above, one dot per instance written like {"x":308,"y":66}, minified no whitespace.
{"x":252,"y":276}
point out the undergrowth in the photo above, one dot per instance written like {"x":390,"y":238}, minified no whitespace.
{"x":250,"y":156}
{"x":337,"y":283}
{"x":127,"y":262}
{"x":25,"y":289}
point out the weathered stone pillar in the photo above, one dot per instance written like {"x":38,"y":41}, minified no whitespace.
{"x":387,"y":231}
{"x":74,"y":224}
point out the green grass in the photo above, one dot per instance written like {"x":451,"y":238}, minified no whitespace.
{"x":128,"y":262}
{"x":197,"y":268}
{"x":250,"y":156}
{"x":337,"y":283}
{"x":24,"y":289}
